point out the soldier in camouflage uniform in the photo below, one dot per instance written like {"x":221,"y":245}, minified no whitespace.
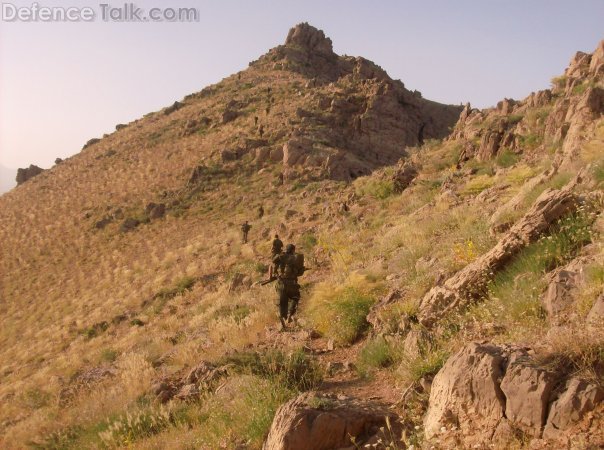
{"x":287,"y":267}
{"x":245,"y":229}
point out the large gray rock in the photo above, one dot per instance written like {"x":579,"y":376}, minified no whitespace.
{"x":465,"y":393}
{"x":324,"y":423}
{"x":560,"y":292}
{"x":595,"y":318}
{"x":578,"y":399}
{"x":527,"y":390}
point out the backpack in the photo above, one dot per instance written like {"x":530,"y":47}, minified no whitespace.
{"x":294,"y":265}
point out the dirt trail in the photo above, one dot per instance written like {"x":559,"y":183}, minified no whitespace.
{"x":341,"y":377}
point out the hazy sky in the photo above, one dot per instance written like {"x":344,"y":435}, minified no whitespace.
{"x":63,"y":83}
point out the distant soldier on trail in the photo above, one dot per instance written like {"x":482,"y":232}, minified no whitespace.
{"x":277,"y":246}
{"x":260,"y":212}
{"x":245,"y":229}
{"x":287,"y":267}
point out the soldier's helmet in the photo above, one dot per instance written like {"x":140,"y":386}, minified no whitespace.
{"x":290,"y":248}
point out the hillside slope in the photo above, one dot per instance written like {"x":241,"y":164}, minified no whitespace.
{"x":129,"y":313}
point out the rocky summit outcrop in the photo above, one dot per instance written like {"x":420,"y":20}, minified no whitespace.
{"x":28,"y":173}
{"x":319,"y":422}
{"x":492,"y":393}
{"x":355,"y":117}
{"x":556,"y":118}
{"x":470,"y":283}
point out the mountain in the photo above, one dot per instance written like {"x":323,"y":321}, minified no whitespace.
{"x":7,"y":179}
{"x":454,"y":254}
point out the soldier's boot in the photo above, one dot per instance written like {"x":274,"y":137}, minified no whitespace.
{"x":283,"y":326}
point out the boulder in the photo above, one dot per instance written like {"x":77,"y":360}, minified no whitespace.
{"x":465,"y":393}
{"x":578,"y":398}
{"x":129,"y":224}
{"x":597,"y":60}
{"x":309,"y":39}
{"x":561,"y":290}
{"x":403,"y":176}
{"x":295,"y":151}
{"x":155,"y":210}
{"x":318,"y":422}
{"x":27,"y":174}
{"x":527,"y":390}
{"x":229,"y":115}
{"x":595,"y":318}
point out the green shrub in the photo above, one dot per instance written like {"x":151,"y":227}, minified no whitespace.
{"x":109,"y":355}
{"x":135,"y":425}
{"x":35,"y":398}
{"x":237,"y":312}
{"x":308,"y":241}
{"x":428,"y":364}
{"x":506,"y":158}
{"x":518,"y":287}
{"x":376,"y":353}
{"x":296,"y":371}
{"x":342,"y":315}
{"x":374,"y":187}
{"x":181,"y":286}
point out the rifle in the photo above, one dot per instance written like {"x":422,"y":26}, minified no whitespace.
{"x":271,"y":279}
{"x":265,"y":282}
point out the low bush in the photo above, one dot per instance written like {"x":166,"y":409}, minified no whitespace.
{"x":339,"y":312}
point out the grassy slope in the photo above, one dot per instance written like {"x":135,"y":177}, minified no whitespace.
{"x":60,"y":276}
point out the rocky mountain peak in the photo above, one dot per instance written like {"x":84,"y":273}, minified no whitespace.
{"x":309,"y":38}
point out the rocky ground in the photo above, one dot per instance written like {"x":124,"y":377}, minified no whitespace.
{"x":456,"y":292}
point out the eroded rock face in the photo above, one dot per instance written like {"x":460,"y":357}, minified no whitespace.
{"x":527,"y":390}
{"x":24,"y":175}
{"x":466,"y":394}
{"x":487,"y":393}
{"x":316,"y":422}
{"x":578,"y":398}
{"x":366,"y":119}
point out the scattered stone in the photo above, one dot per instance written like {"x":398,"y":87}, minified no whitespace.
{"x":403,"y":176}
{"x":174,"y":107}
{"x":562,"y":287}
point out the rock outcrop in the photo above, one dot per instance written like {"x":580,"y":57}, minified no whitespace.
{"x":318,"y":422}
{"x":552,"y":118}
{"x":358,"y":118}
{"x":24,"y":175}
{"x":470,"y":282}
{"x":489,"y":393}
{"x":200,"y":378}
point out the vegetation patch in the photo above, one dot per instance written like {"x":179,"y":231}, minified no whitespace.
{"x":339,"y":312}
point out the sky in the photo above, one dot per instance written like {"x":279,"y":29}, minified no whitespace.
{"x":62,"y":83}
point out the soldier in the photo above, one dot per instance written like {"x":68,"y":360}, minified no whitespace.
{"x":245,"y":229}
{"x":260,"y":212}
{"x":287,"y":267}
{"x":277,"y":246}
